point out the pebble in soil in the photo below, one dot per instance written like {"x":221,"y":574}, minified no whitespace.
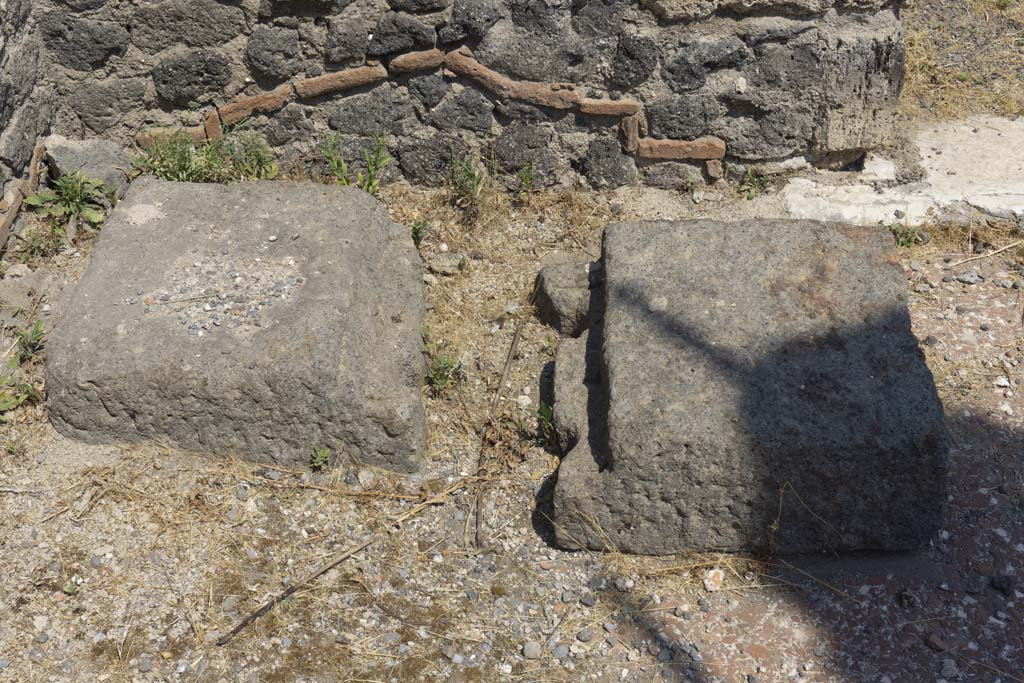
{"x":214,"y":293}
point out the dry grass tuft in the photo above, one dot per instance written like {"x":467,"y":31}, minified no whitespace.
{"x":964,"y":57}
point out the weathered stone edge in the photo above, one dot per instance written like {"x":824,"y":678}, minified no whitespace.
{"x":461,"y":63}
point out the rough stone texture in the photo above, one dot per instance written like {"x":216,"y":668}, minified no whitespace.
{"x":564,"y":291}
{"x":673,"y":175}
{"x":274,"y":52}
{"x":520,"y":146}
{"x":195,"y":23}
{"x":82,"y":44}
{"x":347,"y":41}
{"x":428,"y":89}
{"x":400,"y":32}
{"x":634,"y":61}
{"x":188,"y":76}
{"x":683,"y":116}
{"x":469,"y":110}
{"x":291,"y":124}
{"x":302,"y":8}
{"x":429,"y":161}
{"x":772,"y":79}
{"x":606,"y":166}
{"x":417,"y":6}
{"x":95,"y":158}
{"x":320,"y":347}
{"x":25,"y":101}
{"x":101,"y":104}
{"x":746,"y":364}
{"x":470,"y":19}
{"x":385,"y":109}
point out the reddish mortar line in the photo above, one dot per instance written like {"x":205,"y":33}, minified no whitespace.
{"x":460,"y":62}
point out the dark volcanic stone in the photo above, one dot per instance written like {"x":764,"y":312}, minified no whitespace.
{"x":83,"y":5}
{"x":429,"y":89}
{"x":634,"y":61}
{"x":274,"y":52}
{"x":605,"y":165}
{"x":523,"y":145}
{"x":349,"y":278}
{"x":680,"y":117}
{"x":598,"y":18}
{"x":469,"y":110}
{"x":194,"y":23}
{"x":470,"y":19}
{"x":429,"y":161}
{"x":186,"y":77}
{"x":301,"y":8}
{"x":387,"y":108}
{"x":746,"y":366}
{"x":101,"y":104}
{"x":82,"y":44}
{"x":400,"y":32}
{"x":347,"y":40}
{"x":417,"y":5}
{"x":688,"y":68}
{"x":288,"y":125}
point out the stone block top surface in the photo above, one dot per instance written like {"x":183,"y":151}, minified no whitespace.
{"x":261,"y":319}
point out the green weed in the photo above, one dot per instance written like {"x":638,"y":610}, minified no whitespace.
{"x":753,"y":185}
{"x":375,"y":157}
{"x":14,"y":394}
{"x":235,"y":158}
{"x":905,"y":235}
{"x":469,"y":182}
{"x":547,"y":435}
{"x":320,"y":458}
{"x":75,"y":199}
{"x":30,"y":342}
{"x":443,"y":372}
{"x":419,"y":228}
{"x":525,"y":181}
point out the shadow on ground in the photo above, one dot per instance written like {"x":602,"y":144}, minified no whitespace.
{"x":949,"y":610}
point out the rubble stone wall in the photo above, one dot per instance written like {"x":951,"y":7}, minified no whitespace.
{"x":611,"y":90}
{"x":25,"y":102}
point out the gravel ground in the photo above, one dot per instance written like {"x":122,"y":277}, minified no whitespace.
{"x":128,"y":564}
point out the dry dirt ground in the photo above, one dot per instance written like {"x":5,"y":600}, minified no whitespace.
{"x":127,"y":564}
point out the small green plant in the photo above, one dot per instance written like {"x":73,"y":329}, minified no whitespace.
{"x":469,"y":181}
{"x":330,"y":152}
{"x":320,"y":458}
{"x":377,"y":160}
{"x":13,"y":394}
{"x":547,"y":435}
{"x":375,"y":157}
{"x":525,"y":181}
{"x":30,"y":342}
{"x":251,"y":157}
{"x":40,"y":241}
{"x":235,"y":158}
{"x":443,"y":372}
{"x":905,"y":235}
{"x":754,"y":184}
{"x":419,"y":228}
{"x":74,"y":199}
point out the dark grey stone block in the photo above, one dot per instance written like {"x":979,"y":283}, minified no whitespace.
{"x":257,"y":319}
{"x":188,"y":76}
{"x":765,"y":393}
{"x":95,"y":158}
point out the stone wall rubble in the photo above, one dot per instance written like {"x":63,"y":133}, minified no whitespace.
{"x":553,"y":84}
